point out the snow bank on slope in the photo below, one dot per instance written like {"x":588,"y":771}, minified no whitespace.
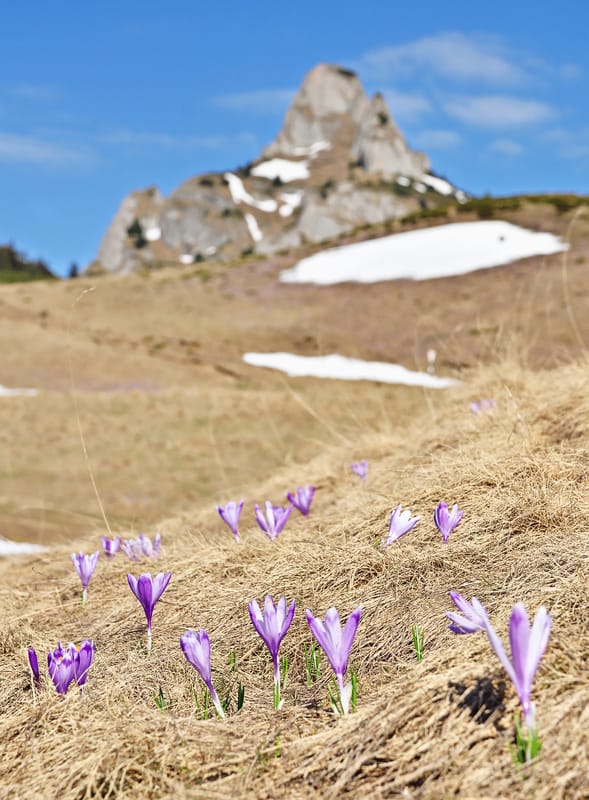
{"x":420,"y":255}
{"x":283,"y":169}
{"x":8,"y":548}
{"x":239,"y":194}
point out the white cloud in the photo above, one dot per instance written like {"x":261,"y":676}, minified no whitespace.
{"x":570,"y":72}
{"x":32,"y":150}
{"x":259,"y":101}
{"x":498,"y":111}
{"x":167,"y":141}
{"x":405,"y":106}
{"x":506,"y":147}
{"x":437,"y":140}
{"x":449,"y":55}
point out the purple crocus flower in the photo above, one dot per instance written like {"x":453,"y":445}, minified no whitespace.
{"x":83,"y":658}
{"x":85,"y":566}
{"x":142,"y":547}
{"x":275,"y":519}
{"x":197,"y":649}
{"x":336,"y":644}
{"x":527,"y":648}
{"x":61,"y":666}
{"x":446,"y":520}
{"x":473,"y":618}
{"x":34,"y":665}
{"x":360,"y":468}
{"x":148,"y":590}
{"x":401,"y":523}
{"x":230,"y":513}
{"x":302,"y":499}
{"x":272,"y":626}
{"x":110,"y":546}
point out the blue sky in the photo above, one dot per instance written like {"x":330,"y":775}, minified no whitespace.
{"x":99,"y":99}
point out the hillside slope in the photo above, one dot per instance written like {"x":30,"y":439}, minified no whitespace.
{"x":436,"y":729}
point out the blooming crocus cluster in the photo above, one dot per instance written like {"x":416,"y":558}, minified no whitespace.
{"x":360,"y":468}
{"x":446,"y":520}
{"x":401,"y":523}
{"x":64,"y":664}
{"x":274,"y":520}
{"x":272,"y":626}
{"x":148,"y":590}
{"x":302,"y":498}
{"x":197,"y":649}
{"x":527,"y":644}
{"x":336,"y":644}
{"x":85,"y":566}
{"x":111,"y":546}
{"x":230,"y":513}
{"x":142,"y":547}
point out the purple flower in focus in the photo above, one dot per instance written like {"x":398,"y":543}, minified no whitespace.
{"x":401,"y":523}
{"x":61,"y":666}
{"x":473,"y":617}
{"x":148,"y":590}
{"x":142,"y":547}
{"x":110,"y":546}
{"x":197,"y":649}
{"x":230,"y":513}
{"x":527,"y":648}
{"x":360,"y":468}
{"x":272,"y":626}
{"x":85,"y":566}
{"x":336,"y":644}
{"x":34,"y":665}
{"x":302,"y":499}
{"x":83,"y":658}
{"x":446,"y":520}
{"x":275,"y":519}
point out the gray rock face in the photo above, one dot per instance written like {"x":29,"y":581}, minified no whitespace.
{"x":352,"y":152}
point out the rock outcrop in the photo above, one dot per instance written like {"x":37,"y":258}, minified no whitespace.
{"x":339,"y":161}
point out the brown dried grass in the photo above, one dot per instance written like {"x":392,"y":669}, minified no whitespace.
{"x":437,"y":729}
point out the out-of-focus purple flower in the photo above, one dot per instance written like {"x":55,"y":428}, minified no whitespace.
{"x":360,"y":468}
{"x":141,"y":547}
{"x":197,"y":649}
{"x":110,"y":546}
{"x":275,"y":519}
{"x":478,"y":406}
{"x":446,"y":520}
{"x":34,"y":665}
{"x":85,"y":566}
{"x":302,"y":498}
{"x":336,"y":644}
{"x":401,"y":523}
{"x":230,"y":513}
{"x":61,"y":666}
{"x":473,"y":618}
{"x":527,"y":648}
{"x":83,"y":658}
{"x":148,"y":590}
{"x":272,"y":626}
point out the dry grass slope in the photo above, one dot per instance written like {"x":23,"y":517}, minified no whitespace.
{"x":432,"y":730}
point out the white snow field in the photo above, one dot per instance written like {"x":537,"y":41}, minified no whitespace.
{"x":347,"y":369}
{"x":420,"y":255}
{"x":8,"y":548}
{"x":282,"y":168}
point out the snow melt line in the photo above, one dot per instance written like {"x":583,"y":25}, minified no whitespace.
{"x":438,"y":252}
{"x":348,"y":369}
{"x":253,"y":227}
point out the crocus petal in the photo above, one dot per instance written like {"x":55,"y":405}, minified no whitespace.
{"x":519,"y":634}
{"x":83,"y":659}
{"x":34,"y":665}
{"x":349,"y":634}
{"x":197,"y":650}
{"x":497,"y":646}
{"x":537,"y":642}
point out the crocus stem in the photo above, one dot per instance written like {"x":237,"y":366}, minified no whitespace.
{"x":216,"y":702}
{"x":149,"y":638}
{"x":84,"y":597}
{"x":277,"y":701}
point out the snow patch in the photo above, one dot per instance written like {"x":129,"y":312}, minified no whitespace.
{"x":420,"y":255}
{"x":347,"y":369}
{"x":153,"y":234}
{"x":283,"y":169}
{"x":438,"y":184}
{"x":6,"y":392}
{"x":210,"y":251}
{"x":291,"y":201}
{"x":8,"y":548}
{"x":239,"y":194}
{"x":313,"y":150}
{"x":460,"y":196}
{"x":419,"y":187}
{"x":253,"y":227}
{"x":403,"y":181}
{"x":186,"y":258}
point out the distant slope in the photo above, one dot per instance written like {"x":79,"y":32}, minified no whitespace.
{"x":15,"y":267}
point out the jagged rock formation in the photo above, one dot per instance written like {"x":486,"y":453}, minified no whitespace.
{"x":339,"y":161}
